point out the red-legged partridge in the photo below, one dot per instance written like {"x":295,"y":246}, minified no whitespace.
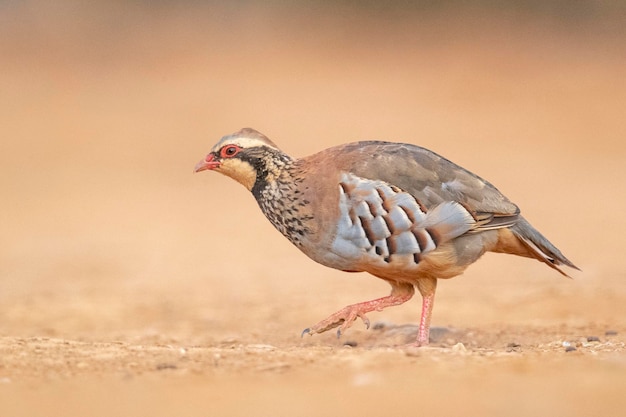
{"x":398,"y":211}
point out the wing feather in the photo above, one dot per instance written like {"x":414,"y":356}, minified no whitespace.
{"x":429,"y":177}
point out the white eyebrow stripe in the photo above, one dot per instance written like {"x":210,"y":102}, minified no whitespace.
{"x":242,"y":142}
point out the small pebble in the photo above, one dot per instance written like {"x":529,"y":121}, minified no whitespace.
{"x":610,"y":333}
{"x":570,"y":349}
{"x":513,"y":347}
{"x":162,"y":366}
{"x":593,"y":339}
{"x":350,"y":343}
{"x":261,"y":347}
{"x":459,"y":347}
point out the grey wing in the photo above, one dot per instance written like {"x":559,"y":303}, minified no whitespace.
{"x":433,"y":180}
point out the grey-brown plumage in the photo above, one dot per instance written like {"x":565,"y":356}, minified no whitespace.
{"x":397,"y":211}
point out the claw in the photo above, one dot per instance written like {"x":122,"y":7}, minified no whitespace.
{"x":366,"y":321}
{"x":306,"y":331}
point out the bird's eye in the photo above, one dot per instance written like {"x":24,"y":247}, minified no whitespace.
{"x":230,"y":151}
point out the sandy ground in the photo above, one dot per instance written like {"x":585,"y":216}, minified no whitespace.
{"x":130,"y":286}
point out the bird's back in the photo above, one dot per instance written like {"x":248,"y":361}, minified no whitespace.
{"x":431,"y":178}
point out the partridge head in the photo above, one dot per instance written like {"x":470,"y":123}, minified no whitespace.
{"x":398,"y":211}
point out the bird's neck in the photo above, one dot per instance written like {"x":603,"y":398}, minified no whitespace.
{"x":282,"y":201}
{"x":271,"y":168}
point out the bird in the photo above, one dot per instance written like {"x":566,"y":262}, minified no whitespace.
{"x":398,"y":211}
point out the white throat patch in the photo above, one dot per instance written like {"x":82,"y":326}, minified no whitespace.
{"x":239,"y":170}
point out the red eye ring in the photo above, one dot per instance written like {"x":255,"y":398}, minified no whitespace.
{"x":229,"y":151}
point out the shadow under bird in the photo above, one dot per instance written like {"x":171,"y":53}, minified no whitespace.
{"x":398,"y":211}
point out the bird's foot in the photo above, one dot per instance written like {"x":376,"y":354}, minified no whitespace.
{"x":347,"y":315}
{"x":417,"y":345}
{"x":342,"y":319}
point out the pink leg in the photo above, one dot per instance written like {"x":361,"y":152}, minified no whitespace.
{"x":400,"y":293}
{"x":427,"y":288}
{"x":423,"y":337}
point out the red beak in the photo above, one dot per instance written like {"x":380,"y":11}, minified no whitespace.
{"x":207,"y":163}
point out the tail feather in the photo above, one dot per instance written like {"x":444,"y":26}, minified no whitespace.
{"x":540,"y":247}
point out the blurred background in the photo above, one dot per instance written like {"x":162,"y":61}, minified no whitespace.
{"x":106,"y":106}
